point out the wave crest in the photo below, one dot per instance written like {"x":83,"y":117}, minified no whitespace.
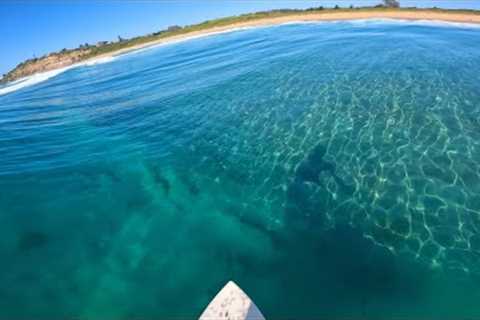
{"x":43,"y":76}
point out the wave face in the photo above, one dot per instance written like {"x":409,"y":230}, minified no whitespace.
{"x":30,"y":81}
{"x":331,"y":170}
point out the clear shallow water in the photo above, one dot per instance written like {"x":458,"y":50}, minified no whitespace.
{"x":331,"y":170}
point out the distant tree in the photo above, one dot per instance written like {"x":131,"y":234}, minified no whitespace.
{"x":174,"y":28}
{"x":351,"y":6}
{"x":391,"y":3}
{"x":315,"y":8}
{"x":120,"y":39}
{"x":336,"y":7}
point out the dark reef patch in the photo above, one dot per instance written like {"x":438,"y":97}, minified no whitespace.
{"x":160,"y":179}
{"x":31,"y":240}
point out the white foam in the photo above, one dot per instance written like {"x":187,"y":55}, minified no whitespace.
{"x":183,"y":39}
{"x":396,"y":21}
{"x":294,"y":22}
{"x":43,"y":76}
{"x":31,"y":80}
{"x":421,"y":22}
{"x":93,"y":62}
{"x":441,"y":23}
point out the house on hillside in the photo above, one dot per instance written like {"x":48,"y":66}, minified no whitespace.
{"x":101,"y":43}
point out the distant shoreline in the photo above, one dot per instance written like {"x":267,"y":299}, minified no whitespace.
{"x":62,"y":60}
{"x":331,"y":16}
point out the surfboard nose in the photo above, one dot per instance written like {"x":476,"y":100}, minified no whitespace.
{"x":233,"y":304}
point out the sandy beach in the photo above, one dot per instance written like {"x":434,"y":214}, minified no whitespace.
{"x":460,"y":17}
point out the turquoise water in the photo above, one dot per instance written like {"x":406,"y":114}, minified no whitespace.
{"x":331,"y":170}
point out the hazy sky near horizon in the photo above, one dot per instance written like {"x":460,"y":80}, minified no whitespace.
{"x":29,"y":29}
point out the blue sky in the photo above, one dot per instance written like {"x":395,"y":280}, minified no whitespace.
{"x":33,"y":28}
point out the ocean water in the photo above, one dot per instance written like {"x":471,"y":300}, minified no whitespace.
{"x":330,"y":169}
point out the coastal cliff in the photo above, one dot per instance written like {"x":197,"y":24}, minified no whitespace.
{"x":51,"y":61}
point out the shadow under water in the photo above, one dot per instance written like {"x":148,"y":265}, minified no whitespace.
{"x":308,"y":196}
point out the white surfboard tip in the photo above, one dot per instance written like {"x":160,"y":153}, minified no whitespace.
{"x":233,"y":304}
